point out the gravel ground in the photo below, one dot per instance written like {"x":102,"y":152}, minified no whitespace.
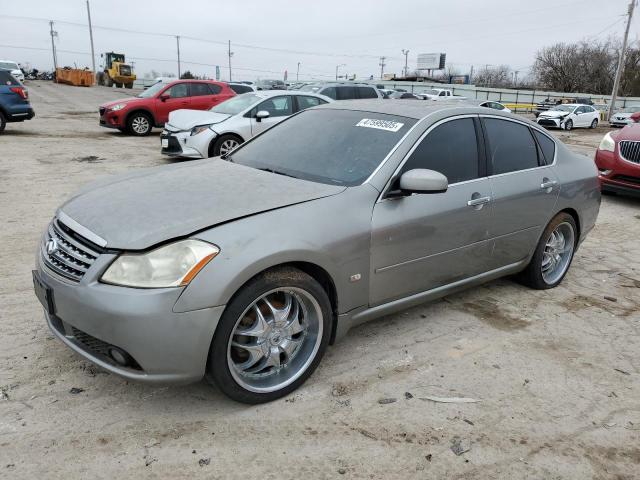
{"x":556,"y":373}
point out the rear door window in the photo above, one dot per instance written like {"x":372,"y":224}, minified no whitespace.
{"x":547,"y":145}
{"x":511,"y":146}
{"x":200,"y":89}
{"x":451,"y":149}
{"x":276,"y":106}
{"x":346,"y":93}
{"x":214,"y":89}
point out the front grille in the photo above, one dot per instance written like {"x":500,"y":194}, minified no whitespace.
{"x":630,"y":151}
{"x":102,"y":110}
{"x":174,"y":145}
{"x":628,"y":178}
{"x":65,"y":252}
{"x":544,"y":121}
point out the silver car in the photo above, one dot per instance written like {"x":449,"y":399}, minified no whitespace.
{"x":244,"y":268}
{"x":214,"y":132}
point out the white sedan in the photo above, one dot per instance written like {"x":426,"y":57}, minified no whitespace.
{"x":214,"y":132}
{"x":569,"y":116}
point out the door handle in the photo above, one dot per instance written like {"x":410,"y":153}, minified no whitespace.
{"x":478,"y":202}
{"x":546,"y":183}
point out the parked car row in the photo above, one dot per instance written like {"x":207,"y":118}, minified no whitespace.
{"x":244,"y":268}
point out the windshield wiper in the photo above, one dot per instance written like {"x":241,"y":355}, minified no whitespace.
{"x":271,"y":170}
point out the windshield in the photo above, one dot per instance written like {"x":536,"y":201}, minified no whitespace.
{"x":9,"y":66}
{"x":237,"y":104}
{"x":631,"y":109}
{"x":563,"y":108}
{"x":337,"y":147}
{"x":152,"y":90}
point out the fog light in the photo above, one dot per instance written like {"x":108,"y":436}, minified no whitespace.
{"x":604,"y":172}
{"x":119,"y":356}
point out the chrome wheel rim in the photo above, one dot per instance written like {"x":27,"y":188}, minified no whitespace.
{"x":275,"y":340}
{"x":227,"y":146}
{"x":568,"y":125}
{"x":557,"y":253}
{"x":140,"y":125}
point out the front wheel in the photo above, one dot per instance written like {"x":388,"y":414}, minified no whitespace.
{"x":568,"y":125}
{"x":223,"y":145}
{"x":594,"y":124}
{"x":553,"y":255}
{"x":139,"y":124}
{"x":271,"y":336}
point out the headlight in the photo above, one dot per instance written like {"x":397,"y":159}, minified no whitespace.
{"x":117,"y":107}
{"x":199,"y":129}
{"x":173,"y":265}
{"x":608,"y":143}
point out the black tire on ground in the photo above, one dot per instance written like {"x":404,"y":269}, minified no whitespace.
{"x":218,"y":368}
{"x":532,"y":275}
{"x":122,"y":129}
{"x":108,"y":81}
{"x":3,"y":122}
{"x":139,"y":124}
{"x":594,"y":124}
{"x":128,"y":85}
{"x":216,"y":145}
{"x":568,"y":125}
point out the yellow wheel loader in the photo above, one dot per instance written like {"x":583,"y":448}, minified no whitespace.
{"x":115,"y":71}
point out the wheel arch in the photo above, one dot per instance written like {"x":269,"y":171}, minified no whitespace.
{"x":576,"y":218}
{"x":218,"y":136}
{"x":139,"y":110}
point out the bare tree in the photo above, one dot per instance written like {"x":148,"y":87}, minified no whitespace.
{"x":493,"y":77}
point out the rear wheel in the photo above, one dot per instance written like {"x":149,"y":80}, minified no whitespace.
{"x":223,"y":145}
{"x":553,"y":255}
{"x":568,"y":125}
{"x":271,"y":336}
{"x":139,"y":124}
{"x":128,"y":85}
{"x":3,"y":122}
{"x":108,"y":81}
{"x":594,"y":124}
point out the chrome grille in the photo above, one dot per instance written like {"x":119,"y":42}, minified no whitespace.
{"x":71,"y":258}
{"x":630,"y":151}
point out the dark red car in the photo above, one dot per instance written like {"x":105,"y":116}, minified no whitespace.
{"x":138,"y":115}
{"x":618,"y":160}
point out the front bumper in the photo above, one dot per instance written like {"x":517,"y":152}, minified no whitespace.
{"x":549,"y":122}
{"x":617,"y":175}
{"x":91,"y":318}
{"x":183,"y":144}
{"x":111,"y":119}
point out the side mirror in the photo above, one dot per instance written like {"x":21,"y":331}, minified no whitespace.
{"x":164,"y":97}
{"x":421,"y":180}
{"x":261,"y":114}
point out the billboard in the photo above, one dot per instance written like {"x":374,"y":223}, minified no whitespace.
{"x":431,"y":61}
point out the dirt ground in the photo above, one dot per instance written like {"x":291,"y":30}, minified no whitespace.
{"x":556,"y":373}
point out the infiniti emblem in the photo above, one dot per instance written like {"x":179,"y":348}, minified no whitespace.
{"x":52,"y":246}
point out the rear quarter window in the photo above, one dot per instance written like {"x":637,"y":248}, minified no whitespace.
{"x":547,"y":145}
{"x":346,"y":93}
{"x":366,"y":92}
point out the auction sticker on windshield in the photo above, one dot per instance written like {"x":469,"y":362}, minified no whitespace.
{"x":387,"y":125}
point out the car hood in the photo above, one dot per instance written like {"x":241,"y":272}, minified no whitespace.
{"x":147,"y":207}
{"x":187,"y":119}
{"x":125,"y":101}
{"x":554,"y":114}
{"x":630,"y":132}
{"x":622,"y":115}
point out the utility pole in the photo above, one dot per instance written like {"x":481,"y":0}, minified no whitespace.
{"x":178,"y":45}
{"x":93,"y":55}
{"x":471,"y":75}
{"x":406,"y":61}
{"x":516,"y":78}
{"x":616,"y":83}
{"x":298,"y":72}
{"x":53,"y":45}
{"x":382,"y":65}
{"x":230,"y":54}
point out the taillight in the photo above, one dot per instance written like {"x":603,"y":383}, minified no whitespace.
{"x":20,"y":91}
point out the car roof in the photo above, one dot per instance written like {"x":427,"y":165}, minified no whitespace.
{"x":417,"y":110}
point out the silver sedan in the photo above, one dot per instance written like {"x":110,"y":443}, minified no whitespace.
{"x":214,"y":132}
{"x":243,"y":269}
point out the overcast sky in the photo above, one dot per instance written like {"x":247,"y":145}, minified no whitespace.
{"x":320,"y":34}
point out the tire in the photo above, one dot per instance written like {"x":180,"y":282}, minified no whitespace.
{"x":224,"y":144}
{"x":108,"y":80}
{"x":128,"y":85}
{"x":534,"y":275}
{"x":229,"y":364}
{"x":568,"y":125}
{"x":594,"y":124}
{"x":3,"y":122}
{"x":139,"y":124}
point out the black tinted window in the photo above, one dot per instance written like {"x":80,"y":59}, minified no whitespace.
{"x":366,"y":92}
{"x":180,"y":90}
{"x":240,"y":88}
{"x":346,"y":93}
{"x":298,"y":146}
{"x":511,"y":146}
{"x":7,"y":79}
{"x":329,"y":92}
{"x":214,"y":89}
{"x":548,"y":146}
{"x":451,"y":149}
{"x":276,"y":106}
{"x":307,"y":102}
{"x":200,"y":89}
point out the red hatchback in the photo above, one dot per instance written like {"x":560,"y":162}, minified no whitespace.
{"x":138,"y":115}
{"x":618,"y":161}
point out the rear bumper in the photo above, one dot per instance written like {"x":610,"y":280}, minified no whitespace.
{"x":19,"y":113}
{"x":91,"y":318}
